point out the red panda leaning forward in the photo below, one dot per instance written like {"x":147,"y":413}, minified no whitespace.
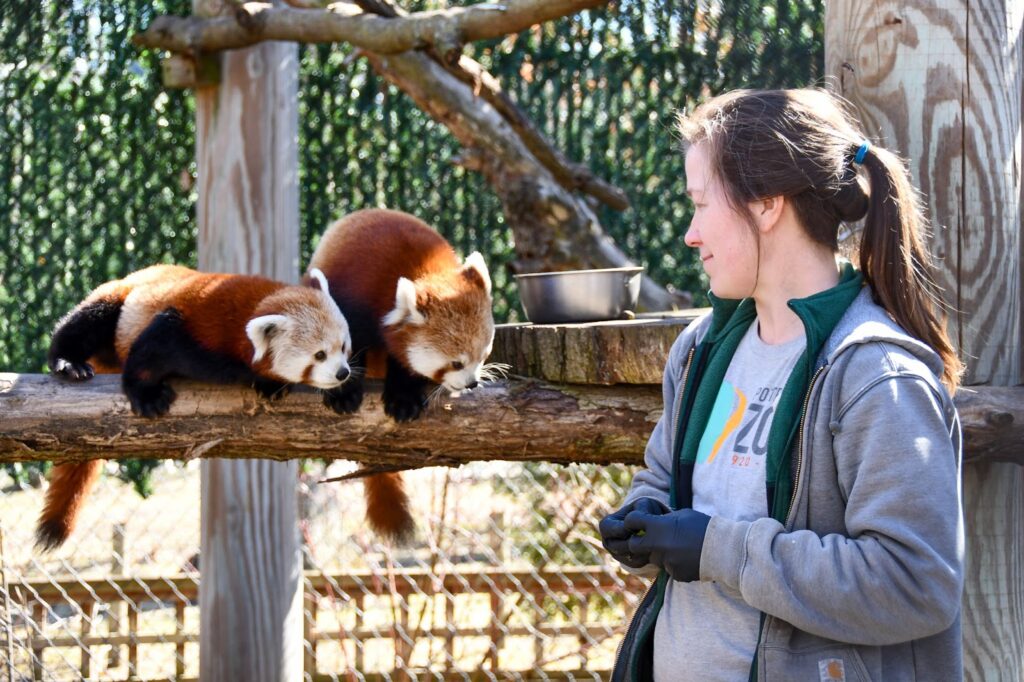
{"x":404,"y":292}
{"x":169,"y":321}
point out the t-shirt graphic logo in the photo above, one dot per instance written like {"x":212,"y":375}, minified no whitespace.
{"x":831,"y":670}
{"x":726,"y":415}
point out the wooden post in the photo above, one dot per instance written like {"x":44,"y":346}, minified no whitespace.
{"x":941,"y":83}
{"x":37,"y":639}
{"x":88,"y":611}
{"x":250,"y":596}
{"x":117,"y":611}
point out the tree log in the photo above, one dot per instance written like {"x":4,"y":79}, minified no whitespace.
{"x":604,"y":353}
{"x":518,"y":420}
{"x":46,"y":418}
{"x":447,"y":30}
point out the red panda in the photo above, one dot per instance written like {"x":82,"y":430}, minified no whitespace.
{"x":169,"y":321}
{"x":407,"y":298}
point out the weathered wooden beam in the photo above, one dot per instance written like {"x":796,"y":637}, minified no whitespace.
{"x":520,"y":419}
{"x":46,"y":418}
{"x":613,"y":352}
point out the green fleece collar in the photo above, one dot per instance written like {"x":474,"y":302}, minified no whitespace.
{"x":730,"y":319}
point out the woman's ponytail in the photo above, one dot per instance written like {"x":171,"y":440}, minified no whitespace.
{"x":896,"y":264}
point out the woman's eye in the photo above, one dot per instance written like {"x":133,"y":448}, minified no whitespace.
{"x":457,"y":365}
{"x":320,"y":356}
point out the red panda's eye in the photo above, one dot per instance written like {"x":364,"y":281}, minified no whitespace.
{"x":320,"y":356}
{"x":457,"y":365}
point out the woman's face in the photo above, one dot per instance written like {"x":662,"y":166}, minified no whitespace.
{"x":723,"y":238}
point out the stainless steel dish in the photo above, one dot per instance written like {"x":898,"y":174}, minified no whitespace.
{"x":579,"y":295}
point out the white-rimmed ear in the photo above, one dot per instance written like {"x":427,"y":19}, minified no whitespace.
{"x":318,"y":281}
{"x":405,"y":305}
{"x":261,"y":330}
{"x":474,"y":263}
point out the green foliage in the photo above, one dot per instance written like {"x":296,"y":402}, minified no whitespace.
{"x":26,"y":474}
{"x":96,"y":158}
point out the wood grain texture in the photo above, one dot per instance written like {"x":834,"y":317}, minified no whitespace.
{"x":941,"y":83}
{"x":519,"y":419}
{"x":247,"y":213}
{"x":619,"y":352}
{"x":525,"y":420}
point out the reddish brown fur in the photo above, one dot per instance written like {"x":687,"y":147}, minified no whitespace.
{"x":363,"y":255}
{"x":387,"y":506}
{"x":377,"y":246}
{"x":215,"y":307}
{"x":70,"y":485}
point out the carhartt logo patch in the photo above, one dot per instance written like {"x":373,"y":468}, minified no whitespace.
{"x":831,"y":670}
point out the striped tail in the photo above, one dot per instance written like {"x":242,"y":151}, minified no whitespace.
{"x":70,"y":485}
{"x":387,"y":508}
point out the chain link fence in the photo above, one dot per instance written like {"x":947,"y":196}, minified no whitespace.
{"x":506,"y":578}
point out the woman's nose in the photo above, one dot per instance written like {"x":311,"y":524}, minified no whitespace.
{"x":692,"y":237}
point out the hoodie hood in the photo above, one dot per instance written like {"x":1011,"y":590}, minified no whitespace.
{"x":867,"y":322}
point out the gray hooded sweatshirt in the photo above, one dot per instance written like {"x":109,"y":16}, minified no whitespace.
{"x":864,"y":580}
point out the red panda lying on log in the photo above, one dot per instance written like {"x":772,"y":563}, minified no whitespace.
{"x":170,"y":321}
{"x":419,"y":317}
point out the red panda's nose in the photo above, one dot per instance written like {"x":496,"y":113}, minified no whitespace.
{"x":342,"y":374}
{"x":473,"y":384}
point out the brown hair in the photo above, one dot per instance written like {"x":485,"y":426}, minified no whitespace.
{"x":801,"y":144}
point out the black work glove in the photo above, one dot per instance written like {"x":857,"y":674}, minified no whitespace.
{"x":672,"y":541}
{"x":615,"y":537}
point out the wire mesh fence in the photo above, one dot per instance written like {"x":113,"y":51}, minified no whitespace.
{"x":505,"y":580}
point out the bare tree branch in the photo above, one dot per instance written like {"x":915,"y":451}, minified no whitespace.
{"x":447,"y":29}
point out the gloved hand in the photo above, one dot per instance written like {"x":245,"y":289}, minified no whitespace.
{"x":672,"y":541}
{"x":615,"y":537}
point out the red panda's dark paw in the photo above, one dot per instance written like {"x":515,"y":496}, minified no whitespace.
{"x":271,"y":390}
{"x":404,"y":407}
{"x":345,"y":399}
{"x":72,"y":371}
{"x":151,"y":400}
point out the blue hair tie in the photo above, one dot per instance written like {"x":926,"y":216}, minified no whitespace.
{"x":862,"y":151}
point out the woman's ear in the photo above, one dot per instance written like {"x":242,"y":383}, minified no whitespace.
{"x":767,"y":212}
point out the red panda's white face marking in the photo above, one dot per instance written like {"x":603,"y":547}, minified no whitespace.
{"x":447,"y":323}
{"x":309,"y":343}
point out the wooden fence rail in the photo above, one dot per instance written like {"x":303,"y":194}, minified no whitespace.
{"x":519,"y":604}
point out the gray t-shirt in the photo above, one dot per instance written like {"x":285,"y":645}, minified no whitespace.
{"x":706,"y":632}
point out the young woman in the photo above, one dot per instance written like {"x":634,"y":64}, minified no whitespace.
{"x":801,"y":498}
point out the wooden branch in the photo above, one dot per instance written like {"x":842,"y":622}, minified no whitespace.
{"x":46,"y":418}
{"x":448,"y":29}
{"x":520,"y":420}
{"x":572,"y":175}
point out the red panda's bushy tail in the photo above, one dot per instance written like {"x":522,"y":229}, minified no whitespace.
{"x":70,"y":485}
{"x":387,"y":507}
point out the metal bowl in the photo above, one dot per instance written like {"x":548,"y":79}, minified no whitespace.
{"x":579,"y":295}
